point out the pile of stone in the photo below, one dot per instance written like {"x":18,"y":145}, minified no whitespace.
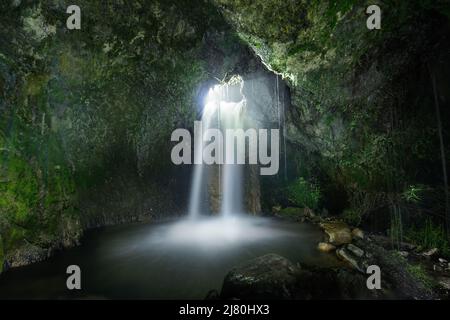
{"x":339,"y":238}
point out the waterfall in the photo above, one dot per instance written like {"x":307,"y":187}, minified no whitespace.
{"x":232,"y":173}
{"x":281,"y":119}
{"x":227,"y":115}
{"x":197,"y":181}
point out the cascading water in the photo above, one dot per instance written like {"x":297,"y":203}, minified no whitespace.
{"x":232,"y":173}
{"x":226,"y":115}
{"x":281,"y":120}
{"x":199,"y":134}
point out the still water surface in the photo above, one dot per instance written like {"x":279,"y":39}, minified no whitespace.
{"x":171,"y":260}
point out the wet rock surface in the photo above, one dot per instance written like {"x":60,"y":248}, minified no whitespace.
{"x":406,"y":271}
{"x":325,"y":247}
{"x":274,"y":277}
{"x":357,"y":233}
{"x":267,"y":277}
{"x":338,"y":232}
{"x":346,"y":255}
{"x":26,"y":255}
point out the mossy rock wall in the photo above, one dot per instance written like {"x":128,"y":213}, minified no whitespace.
{"x":86,"y":115}
{"x":362,"y":121}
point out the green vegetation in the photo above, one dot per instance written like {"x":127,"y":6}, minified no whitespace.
{"x":291,"y":212}
{"x":37,"y":192}
{"x":77,"y":109}
{"x":414,"y":194}
{"x":304,"y":194}
{"x":80,"y":108}
{"x":430,"y":235}
{"x":361,"y":118}
{"x":352,"y":217}
{"x":420,"y":274}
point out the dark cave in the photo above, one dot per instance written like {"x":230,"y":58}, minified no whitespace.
{"x":361,"y":118}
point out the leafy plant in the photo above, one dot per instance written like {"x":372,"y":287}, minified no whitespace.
{"x":429,"y":236}
{"x":413,"y":193}
{"x":304,"y":194}
{"x":351,"y":216}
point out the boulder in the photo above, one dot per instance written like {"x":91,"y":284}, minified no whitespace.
{"x":438,"y":268}
{"x":27,"y":254}
{"x":430,"y":253}
{"x":267,"y":277}
{"x":338,"y":232}
{"x":399,"y":277}
{"x":309,"y":213}
{"x":358,"y":233}
{"x":274,"y":277}
{"x":353,"y":285}
{"x":355,"y":250}
{"x":325,"y":247}
{"x":276,"y":209}
{"x":347,"y":256}
{"x":444,"y":282}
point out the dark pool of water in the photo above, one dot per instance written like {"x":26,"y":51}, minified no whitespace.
{"x":172,"y":260}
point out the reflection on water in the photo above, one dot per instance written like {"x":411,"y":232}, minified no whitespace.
{"x":174,"y":260}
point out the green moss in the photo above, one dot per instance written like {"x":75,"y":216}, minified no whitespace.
{"x":291,"y":212}
{"x":20,"y":193}
{"x":79,"y":109}
{"x":418,"y":273}
{"x":36,"y":83}
{"x":35,"y":192}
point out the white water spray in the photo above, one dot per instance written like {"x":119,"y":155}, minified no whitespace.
{"x":197,"y":182}
{"x":232,"y":173}
{"x":228,"y":116}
